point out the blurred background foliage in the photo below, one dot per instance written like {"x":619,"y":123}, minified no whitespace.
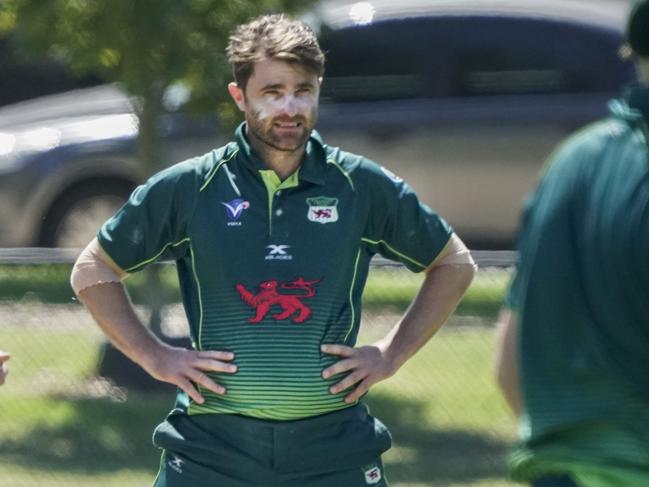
{"x":146,"y":46}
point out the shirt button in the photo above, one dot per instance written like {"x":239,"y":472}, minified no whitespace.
{"x":278,"y":192}
{"x":279,"y":212}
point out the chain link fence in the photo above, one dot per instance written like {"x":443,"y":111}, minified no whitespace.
{"x":73,"y":412}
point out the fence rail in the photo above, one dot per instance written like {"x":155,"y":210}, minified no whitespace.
{"x":42,"y":255}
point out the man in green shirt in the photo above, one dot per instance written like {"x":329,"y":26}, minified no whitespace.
{"x":272,"y":235}
{"x":574,"y":359}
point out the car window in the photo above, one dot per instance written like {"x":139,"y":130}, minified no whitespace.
{"x":22,"y":80}
{"x":527,"y":56}
{"x":366,"y":62}
{"x":480,"y":55}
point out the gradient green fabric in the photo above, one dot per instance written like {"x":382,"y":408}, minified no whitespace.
{"x":271,"y":270}
{"x":582,"y":293}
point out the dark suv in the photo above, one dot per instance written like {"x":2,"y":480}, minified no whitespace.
{"x":463,"y":100}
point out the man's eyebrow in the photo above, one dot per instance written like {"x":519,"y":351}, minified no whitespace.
{"x":279,"y":86}
{"x":273,"y":86}
{"x":306,"y":84}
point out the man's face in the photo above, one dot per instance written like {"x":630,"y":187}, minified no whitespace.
{"x":280,"y":103}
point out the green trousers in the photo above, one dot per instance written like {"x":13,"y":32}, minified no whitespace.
{"x":339,"y":449}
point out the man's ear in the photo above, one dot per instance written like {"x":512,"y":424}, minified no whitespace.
{"x":237,"y":95}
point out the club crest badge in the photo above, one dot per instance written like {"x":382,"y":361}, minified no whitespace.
{"x":322,"y":209}
{"x":372,"y":474}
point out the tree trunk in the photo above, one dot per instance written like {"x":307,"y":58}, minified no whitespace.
{"x":148,"y":150}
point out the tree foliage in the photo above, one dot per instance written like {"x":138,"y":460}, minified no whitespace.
{"x":144,"y":45}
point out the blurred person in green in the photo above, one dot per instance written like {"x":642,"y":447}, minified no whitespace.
{"x":574,"y":357}
{"x":4,"y":357}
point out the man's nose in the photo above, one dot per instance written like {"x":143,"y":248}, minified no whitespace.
{"x":290,"y":106}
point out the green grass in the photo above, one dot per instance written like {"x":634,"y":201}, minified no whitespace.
{"x":51,"y":284}
{"x":449,"y":423}
{"x":60,"y":426}
{"x":387,"y":287}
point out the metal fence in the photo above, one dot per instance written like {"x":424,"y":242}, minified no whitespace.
{"x":73,"y":412}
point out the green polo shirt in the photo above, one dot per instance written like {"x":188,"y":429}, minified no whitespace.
{"x":270,"y":270}
{"x":582,"y":293}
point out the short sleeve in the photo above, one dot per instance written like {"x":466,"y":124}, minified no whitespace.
{"x":152,"y":224}
{"x":400,"y":227}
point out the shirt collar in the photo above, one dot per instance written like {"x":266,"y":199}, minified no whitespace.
{"x":638,"y":99}
{"x":313,"y":167}
{"x":634,"y":104}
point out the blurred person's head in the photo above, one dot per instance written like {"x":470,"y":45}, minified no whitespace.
{"x":637,"y":35}
{"x":277,"y":65}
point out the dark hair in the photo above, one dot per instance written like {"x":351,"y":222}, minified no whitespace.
{"x":273,"y":37}
{"x":637,"y":30}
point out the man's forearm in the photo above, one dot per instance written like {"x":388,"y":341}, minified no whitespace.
{"x":436,"y":300}
{"x":447,"y":278}
{"x":112,"y":310}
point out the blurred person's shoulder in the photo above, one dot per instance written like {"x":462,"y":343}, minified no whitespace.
{"x":596,"y":143}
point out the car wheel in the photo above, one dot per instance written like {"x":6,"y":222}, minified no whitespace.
{"x":77,"y":216}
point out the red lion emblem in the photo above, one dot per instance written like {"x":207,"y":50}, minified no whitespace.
{"x":289,"y":303}
{"x":322,"y":213}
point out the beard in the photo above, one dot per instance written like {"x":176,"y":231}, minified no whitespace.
{"x":286,"y":140}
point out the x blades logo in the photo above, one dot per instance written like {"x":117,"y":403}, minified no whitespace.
{"x":278,"y":252}
{"x":234,"y":210}
{"x":176,"y":464}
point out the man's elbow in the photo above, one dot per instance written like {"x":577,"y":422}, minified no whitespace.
{"x":457,"y":258}
{"x":461,"y":276}
{"x":467,"y":274}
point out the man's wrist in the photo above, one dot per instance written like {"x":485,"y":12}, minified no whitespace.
{"x":392,"y":359}
{"x":150,"y":352}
